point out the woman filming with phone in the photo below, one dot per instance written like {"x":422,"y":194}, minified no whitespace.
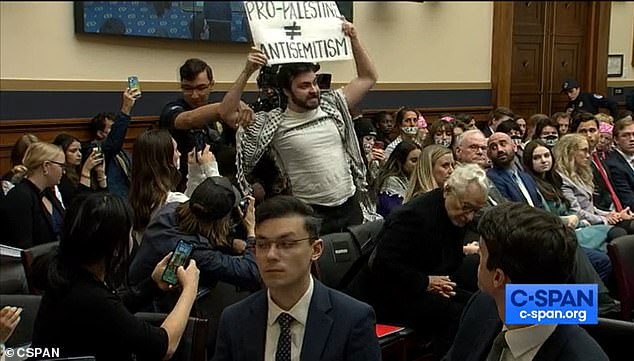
{"x":86,"y":176}
{"x":81,"y":314}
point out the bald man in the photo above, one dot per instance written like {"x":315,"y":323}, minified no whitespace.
{"x":514,"y":184}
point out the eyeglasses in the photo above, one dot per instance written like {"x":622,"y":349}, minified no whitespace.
{"x":265,"y":245}
{"x":60,"y":164}
{"x":190,"y":90}
{"x":475,"y":148}
{"x":468,"y":207}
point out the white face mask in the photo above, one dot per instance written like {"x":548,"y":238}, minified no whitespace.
{"x":551,"y":140}
{"x":517,"y":139}
{"x":444,"y":142}
{"x":409,"y":130}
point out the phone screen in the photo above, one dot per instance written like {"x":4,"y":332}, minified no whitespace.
{"x":133,"y":83}
{"x":182,"y":251}
{"x":378,"y":144}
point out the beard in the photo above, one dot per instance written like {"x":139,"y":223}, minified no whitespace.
{"x":503,"y":161}
{"x":308,"y":103}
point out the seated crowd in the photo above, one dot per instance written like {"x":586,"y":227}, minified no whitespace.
{"x":253,"y":192}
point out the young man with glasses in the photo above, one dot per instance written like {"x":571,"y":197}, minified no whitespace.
{"x":420,"y":277}
{"x":297,"y":317}
{"x":194,"y":112}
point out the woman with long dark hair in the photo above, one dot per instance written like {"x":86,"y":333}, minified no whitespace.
{"x":391,"y":183}
{"x":95,"y":320}
{"x":155,"y":174}
{"x":539,"y":162}
{"x":79,"y":176}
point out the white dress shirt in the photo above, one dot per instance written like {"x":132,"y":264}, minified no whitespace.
{"x":525,"y":342}
{"x":299,"y":312}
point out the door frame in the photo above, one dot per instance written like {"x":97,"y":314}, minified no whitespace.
{"x":596,"y":76}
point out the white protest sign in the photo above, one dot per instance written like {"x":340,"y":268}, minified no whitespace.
{"x":298,"y":31}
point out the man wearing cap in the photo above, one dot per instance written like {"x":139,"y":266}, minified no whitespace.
{"x":312,"y":141}
{"x":589,"y":102}
{"x":297,"y":317}
{"x":203,"y":221}
{"x":374,"y":156}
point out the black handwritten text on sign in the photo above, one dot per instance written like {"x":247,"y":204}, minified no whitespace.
{"x":291,"y":10}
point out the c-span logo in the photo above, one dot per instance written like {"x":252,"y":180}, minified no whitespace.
{"x":551,"y":304}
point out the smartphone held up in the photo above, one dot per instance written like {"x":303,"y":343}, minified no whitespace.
{"x":180,"y":255}
{"x":133,"y":83}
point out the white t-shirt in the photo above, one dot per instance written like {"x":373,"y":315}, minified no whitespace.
{"x":310,"y":148}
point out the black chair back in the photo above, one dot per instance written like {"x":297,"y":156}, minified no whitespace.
{"x":30,"y":305}
{"x":614,"y":336}
{"x":193,"y":343}
{"x":621,"y":253}
{"x":35,"y":261}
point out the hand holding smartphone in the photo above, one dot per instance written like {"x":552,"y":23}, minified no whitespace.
{"x":133,"y":83}
{"x":179,"y":257}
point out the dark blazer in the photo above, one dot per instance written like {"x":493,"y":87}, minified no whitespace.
{"x":24,"y":220}
{"x":480,"y":325}
{"x":417,"y":240}
{"x":338,"y":328}
{"x":601,"y":196}
{"x":509,"y":189}
{"x":622,"y":177}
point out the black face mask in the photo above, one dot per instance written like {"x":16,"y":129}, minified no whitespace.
{"x":516,"y":139}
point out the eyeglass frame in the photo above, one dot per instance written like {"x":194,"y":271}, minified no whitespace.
{"x":286,"y":244}
{"x":60,"y":164}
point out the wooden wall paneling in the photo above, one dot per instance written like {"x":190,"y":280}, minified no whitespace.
{"x":500,"y":53}
{"x":575,"y":38}
{"x":47,"y":129}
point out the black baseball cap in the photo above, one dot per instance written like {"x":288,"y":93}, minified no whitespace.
{"x":569,"y":84}
{"x":214,"y":198}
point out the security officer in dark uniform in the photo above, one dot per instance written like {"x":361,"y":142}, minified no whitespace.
{"x":589,"y":102}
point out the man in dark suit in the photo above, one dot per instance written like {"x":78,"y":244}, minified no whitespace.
{"x":621,"y":162}
{"x":522,"y":245}
{"x":514,"y":184}
{"x":297,"y":318}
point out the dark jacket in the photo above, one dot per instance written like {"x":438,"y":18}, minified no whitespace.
{"x":622,"y":177}
{"x":504,"y":182}
{"x":591,"y":102}
{"x":24,"y":220}
{"x":417,"y":240}
{"x":338,"y":327}
{"x":162,"y":235}
{"x":90,"y":318}
{"x":480,"y":324}
{"x":118,"y":161}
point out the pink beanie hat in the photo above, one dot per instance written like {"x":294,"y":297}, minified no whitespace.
{"x":421,"y":122}
{"x":605,"y":128}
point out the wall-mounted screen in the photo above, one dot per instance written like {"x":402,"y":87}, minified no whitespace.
{"x":217,"y":21}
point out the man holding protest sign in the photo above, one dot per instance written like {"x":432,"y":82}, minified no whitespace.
{"x":312,"y":141}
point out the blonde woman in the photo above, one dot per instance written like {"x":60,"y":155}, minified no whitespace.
{"x":433,"y":168}
{"x":31,"y":214}
{"x":572,"y":161}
